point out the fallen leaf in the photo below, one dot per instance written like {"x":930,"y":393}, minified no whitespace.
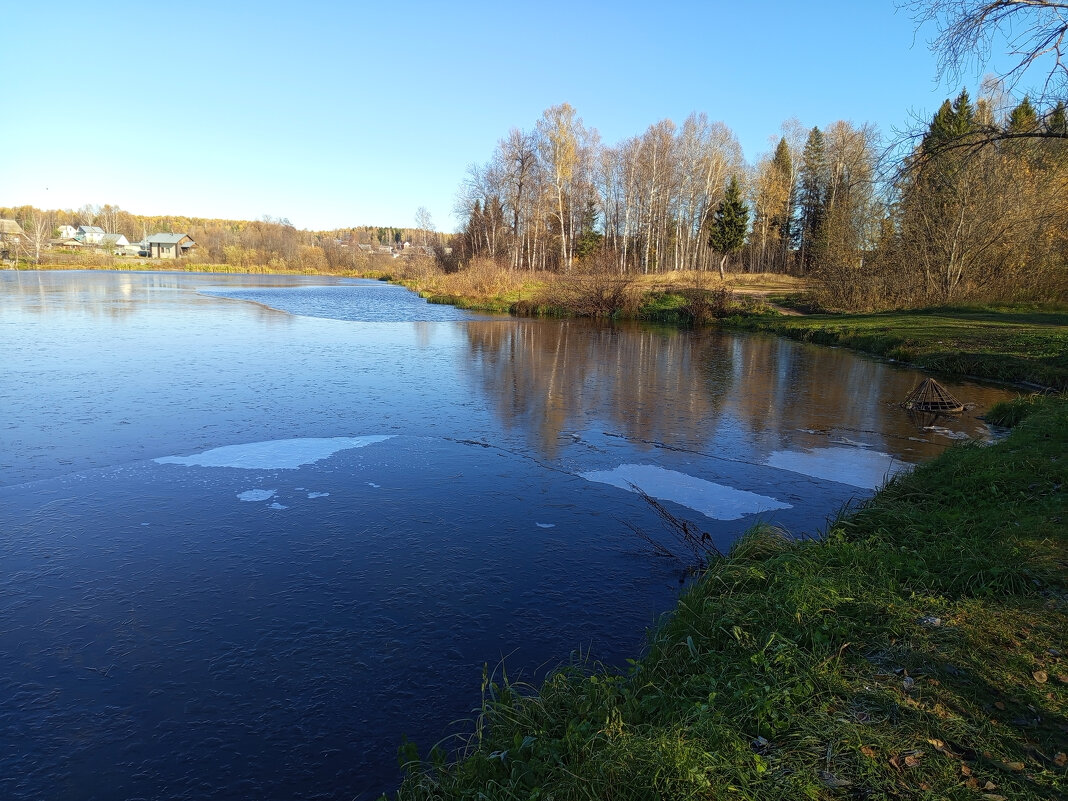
{"x":999,"y":704}
{"x":990,"y":786}
{"x":868,"y":751}
{"x":965,"y":769}
{"x":1040,"y":676}
{"x":993,"y":797}
{"x":1016,"y":766}
{"x":972,"y":784}
{"x":941,"y":748}
{"x":1061,"y":759}
{"x":912,"y":761}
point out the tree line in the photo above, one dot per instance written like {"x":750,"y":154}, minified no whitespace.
{"x":963,"y":214}
{"x":271,"y":242}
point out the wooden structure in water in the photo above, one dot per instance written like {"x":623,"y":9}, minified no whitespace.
{"x":930,"y":396}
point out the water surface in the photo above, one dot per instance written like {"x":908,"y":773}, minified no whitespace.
{"x":255,"y":528}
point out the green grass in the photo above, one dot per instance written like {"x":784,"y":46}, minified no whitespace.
{"x":917,"y":651}
{"x":1008,"y":344}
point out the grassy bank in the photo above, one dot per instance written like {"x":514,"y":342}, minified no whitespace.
{"x":917,"y":651}
{"x":1008,"y":344}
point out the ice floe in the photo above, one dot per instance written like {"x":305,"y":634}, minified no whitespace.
{"x":545,"y":525}
{"x":278,"y":454}
{"x":318,"y":494}
{"x":710,"y":499}
{"x":276,"y":505}
{"x":255,"y":495}
{"x":853,"y":466}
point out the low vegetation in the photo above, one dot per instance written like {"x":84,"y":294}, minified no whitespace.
{"x":915,"y":651}
{"x":1003,"y":343}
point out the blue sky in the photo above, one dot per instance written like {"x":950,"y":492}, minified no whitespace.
{"x":335,"y":114}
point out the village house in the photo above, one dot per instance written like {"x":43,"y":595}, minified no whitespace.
{"x":169,"y":246}
{"x":90,"y":234}
{"x":67,"y":232}
{"x":11,"y":237}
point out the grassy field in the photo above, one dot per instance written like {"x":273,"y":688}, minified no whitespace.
{"x":1009,"y":344}
{"x":917,"y":651}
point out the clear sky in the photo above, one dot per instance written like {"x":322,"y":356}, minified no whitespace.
{"x":338,"y":113}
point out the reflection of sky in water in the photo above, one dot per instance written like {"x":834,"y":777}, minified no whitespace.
{"x":167,"y":622}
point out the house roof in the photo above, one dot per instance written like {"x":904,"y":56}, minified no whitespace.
{"x":113,"y":237}
{"x":90,"y":229}
{"x":11,"y":227}
{"x":166,"y":239}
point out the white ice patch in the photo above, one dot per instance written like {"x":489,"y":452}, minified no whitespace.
{"x":373,"y":484}
{"x":545,"y":525}
{"x":852,"y":466}
{"x":276,"y":505}
{"x":255,"y":495}
{"x":318,"y":494}
{"x":712,"y":500}
{"x":278,"y":454}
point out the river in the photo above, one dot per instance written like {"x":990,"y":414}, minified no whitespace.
{"x":254,"y":530}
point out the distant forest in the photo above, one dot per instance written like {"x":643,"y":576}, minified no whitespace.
{"x":270,"y":242}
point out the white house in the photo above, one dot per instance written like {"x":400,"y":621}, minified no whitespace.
{"x":67,"y":232}
{"x":90,"y":234}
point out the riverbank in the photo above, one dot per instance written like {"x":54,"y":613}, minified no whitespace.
{"x":1007,"y":343}
{"x":916,"y":651}
{"x":1002,"y":343}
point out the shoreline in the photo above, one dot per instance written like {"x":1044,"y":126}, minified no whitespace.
{"x":912,"y":651}
{"x":1022,"y":345}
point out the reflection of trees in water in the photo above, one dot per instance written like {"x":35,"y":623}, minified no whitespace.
{"x":784,"y":386}
{"x":679,"y":387}
{"x":549,"y":377}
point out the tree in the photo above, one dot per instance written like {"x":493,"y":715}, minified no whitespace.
{"x":729,"y":224}
{"x":424,"y":222}
{"x":813,"y":186}
{"x":1024,"y":118}
{"x":1036,"y":31}
{"x":559,"y":130}
{"x":39,"y":227}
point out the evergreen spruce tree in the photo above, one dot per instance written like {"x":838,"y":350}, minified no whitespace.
{"x":729,"y":224}
{"x":963,"y":115}
{"x":950,"y":123}
{"x":1023,"y":118}
{"x":813,"y":192}
{"x":783,"y":219}
{"x":1057,"y":121}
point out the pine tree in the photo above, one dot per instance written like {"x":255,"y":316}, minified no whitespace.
{"x":729,"y":224}
{"x":813,"y":190}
